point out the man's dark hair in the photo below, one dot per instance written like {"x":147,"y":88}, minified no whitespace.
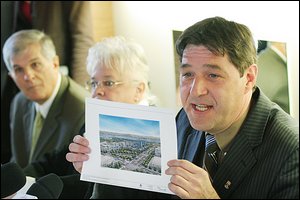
{"x":221,"y":37}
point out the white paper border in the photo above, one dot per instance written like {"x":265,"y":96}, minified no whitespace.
{"x":92,"y":170}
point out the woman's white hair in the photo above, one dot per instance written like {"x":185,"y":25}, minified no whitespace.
{"x":124,"y":56}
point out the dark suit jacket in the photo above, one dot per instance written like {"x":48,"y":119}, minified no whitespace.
{"x":55,"y":162}
{"x":64,"y":120}
{"x":263,"y":161}
{"x":69,"y":24}
{"x":8,"y":87}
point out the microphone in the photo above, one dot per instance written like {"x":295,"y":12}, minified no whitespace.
{"x":47,"y":187}
{"x":12,"y":179}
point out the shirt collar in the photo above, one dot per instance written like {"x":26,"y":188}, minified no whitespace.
{"x":45,"y":107}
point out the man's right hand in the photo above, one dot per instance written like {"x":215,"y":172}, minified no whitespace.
{"x":78,"y":152}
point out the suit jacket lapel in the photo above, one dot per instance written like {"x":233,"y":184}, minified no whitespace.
{"x":52,"y":120}
{"x":234,"y":168}
{"x":28,"y":118}
{"x":240,"y":158}
{"x":192,"y":146}
{"x":188,"y":139}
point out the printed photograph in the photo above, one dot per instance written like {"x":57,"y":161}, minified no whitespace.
{"x":130,"y":144}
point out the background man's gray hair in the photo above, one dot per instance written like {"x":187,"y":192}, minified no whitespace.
{"x":20,"y":40}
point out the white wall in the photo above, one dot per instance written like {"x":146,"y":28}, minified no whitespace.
{"x":151,"y":25}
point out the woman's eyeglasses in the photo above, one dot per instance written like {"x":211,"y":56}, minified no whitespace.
{"x":92,"y":84}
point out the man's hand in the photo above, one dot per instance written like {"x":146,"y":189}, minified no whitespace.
{"x":188,"y":181}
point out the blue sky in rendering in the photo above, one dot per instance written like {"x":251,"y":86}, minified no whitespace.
{"x":129,"y":125}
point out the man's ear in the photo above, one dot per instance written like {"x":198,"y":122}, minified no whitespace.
{"x":251,"y":76}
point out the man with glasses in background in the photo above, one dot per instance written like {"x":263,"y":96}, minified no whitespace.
{"x":49,"y":109}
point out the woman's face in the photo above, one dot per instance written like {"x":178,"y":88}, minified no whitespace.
{"x":113,"y":86}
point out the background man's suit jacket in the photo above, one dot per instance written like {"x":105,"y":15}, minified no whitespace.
{"x":63,"y":121}
{"x":273,"y":78}
{"x":70,"y":26}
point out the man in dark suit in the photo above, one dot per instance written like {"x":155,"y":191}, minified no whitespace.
{"x":258,"y":142}
{"x":32,"y":63}
{"x":256,"y":154}
{"x":69,"y":24}
{"x":263,"y":158}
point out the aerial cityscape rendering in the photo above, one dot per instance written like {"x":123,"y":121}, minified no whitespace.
{"x":132,"y":149}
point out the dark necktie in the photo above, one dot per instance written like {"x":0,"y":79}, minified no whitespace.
{"x":211,"y":155}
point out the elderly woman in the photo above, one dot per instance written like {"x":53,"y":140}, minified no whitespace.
{"x":119,"y":72}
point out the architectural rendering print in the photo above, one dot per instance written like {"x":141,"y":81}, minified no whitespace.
{"x":130,"y":144}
